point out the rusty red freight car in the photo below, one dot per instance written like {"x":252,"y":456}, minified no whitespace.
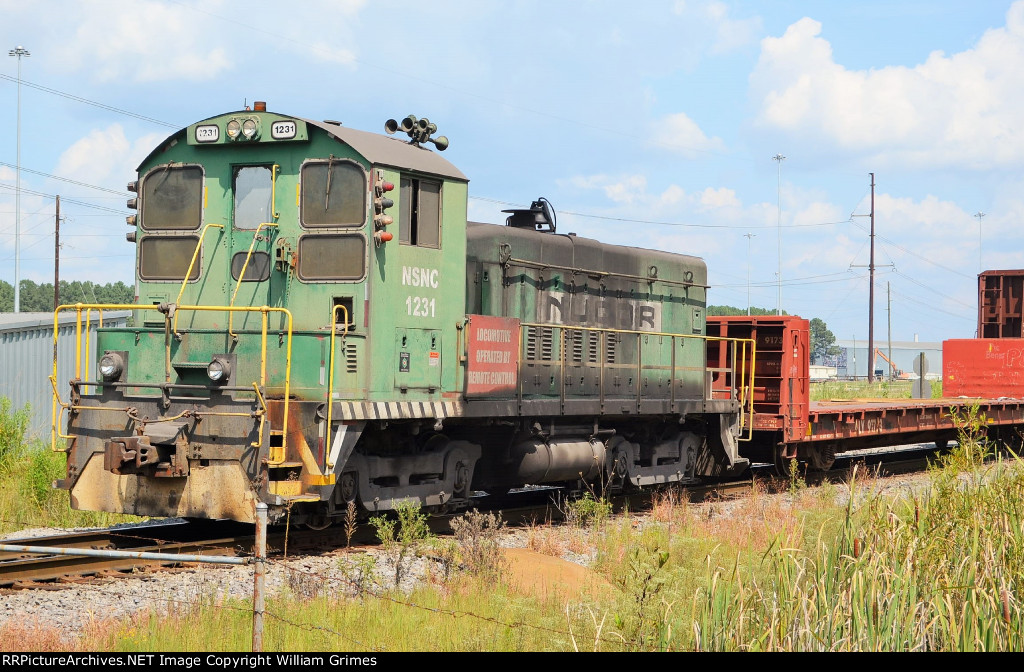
{"x":786,"y":425}
{"x":1000,"y":294}
{"x":781,"y":368}
{"x":983,"y":367}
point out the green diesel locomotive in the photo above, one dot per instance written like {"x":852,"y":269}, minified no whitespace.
{"x":316,"y":323}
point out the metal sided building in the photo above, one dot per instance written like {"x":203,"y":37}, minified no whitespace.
{"x":26,"y":358}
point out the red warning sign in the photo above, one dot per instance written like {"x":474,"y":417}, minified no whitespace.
{"x":492,"y":366}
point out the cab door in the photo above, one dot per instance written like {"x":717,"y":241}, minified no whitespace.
{"x":253,"y":229}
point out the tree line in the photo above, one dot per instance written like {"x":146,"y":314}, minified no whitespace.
{"x":38,"y":298}
{"x":823,"y":341}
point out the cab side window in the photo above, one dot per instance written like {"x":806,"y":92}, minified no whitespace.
{"x":419,"y":220}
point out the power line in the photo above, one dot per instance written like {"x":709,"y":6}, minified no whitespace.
{"x":65,"y":179}
{"x":915,"y":254}
{"x":86,"y":101}
{"x":665,"y":223}
{"x":68,"y":200}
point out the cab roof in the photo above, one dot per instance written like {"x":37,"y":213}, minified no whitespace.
{"x":376,"y":148}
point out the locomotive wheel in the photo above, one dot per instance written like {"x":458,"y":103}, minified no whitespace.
{"x":319,"y":521}
{"x":461,"y":480}
{"x":348,"y":486}
{"x":621,"y":457}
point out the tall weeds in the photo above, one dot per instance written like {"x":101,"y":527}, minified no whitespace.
{"x":27,"y":471}
{"x":938,"y":570}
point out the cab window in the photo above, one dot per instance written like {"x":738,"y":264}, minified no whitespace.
{"x":419,"y":219}
{"x":172,"y":198}
{"x":254,"y":188}
{"x":168,"y":257}
{"x":333,"y":193}
{"x":332,"y":257}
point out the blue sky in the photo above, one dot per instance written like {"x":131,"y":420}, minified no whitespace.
{"x":650,"y":124}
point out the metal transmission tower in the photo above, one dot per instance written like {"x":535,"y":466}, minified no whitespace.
{"x":18,"y":52}
{"x":981,"y":259}
{"x":749,"y":236}
{"x":780,"y":158}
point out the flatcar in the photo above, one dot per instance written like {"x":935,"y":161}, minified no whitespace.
{"x":317,"y":324}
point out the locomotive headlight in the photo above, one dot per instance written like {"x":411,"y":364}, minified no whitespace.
{"x":111,"y":366}
{"x":219,"y":370}
{"x":233,"y":129}
{"x":249,"y":128}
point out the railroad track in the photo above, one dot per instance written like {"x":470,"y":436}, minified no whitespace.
{"x":20,"y":569}
{"x":226,"y":538}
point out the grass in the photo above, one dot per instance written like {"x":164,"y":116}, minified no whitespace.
{"x":845,"y":567}
{"x":27,"y":471}
{"x":861,"y":389}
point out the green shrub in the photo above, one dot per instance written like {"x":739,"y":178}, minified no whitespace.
{"x":13,"y":425}
{"x":44,"y":467}
{"x":587,"y":510}
{"x":401,"y":535}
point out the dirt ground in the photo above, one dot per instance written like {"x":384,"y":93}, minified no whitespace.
{"x":545,"y":576}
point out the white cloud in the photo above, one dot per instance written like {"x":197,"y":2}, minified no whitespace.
{"x":145,"y":42}
{"x":680,"y":134}
{"x":153,"y":40}
{"x":731,"y":34}
{"x":105,"y":155}
{"x":726,"y":34}
{"x":957,"y":110}
{"x":719,"y":198}
{"x":329,"y":53}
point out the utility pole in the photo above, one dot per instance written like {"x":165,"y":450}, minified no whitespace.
{"x":749,"y":236}
{"x":780,"y":158}
{"x":871,"y":291}
{"x":56,"y":257}
{"x":871,"y":287}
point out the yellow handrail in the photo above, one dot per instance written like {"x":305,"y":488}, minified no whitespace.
{"x":273,"y":190}
{"x":241,"y":275}
{"x":188,"y":273}
{"x":330,"y":377}
{"x":745,"y":390}
{"x":195,"y":255}
{"x":264,"y":310}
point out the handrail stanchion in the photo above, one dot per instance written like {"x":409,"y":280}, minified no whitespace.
{"x":248,"y":256}
{"x":330,"y":377}
{"x":188,"y":273}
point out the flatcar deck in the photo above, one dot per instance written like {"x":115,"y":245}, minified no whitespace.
{"x":863,"y":423}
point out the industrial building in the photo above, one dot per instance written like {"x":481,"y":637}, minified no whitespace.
{"x":853,"y":359}
{"x":26,"y":358}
